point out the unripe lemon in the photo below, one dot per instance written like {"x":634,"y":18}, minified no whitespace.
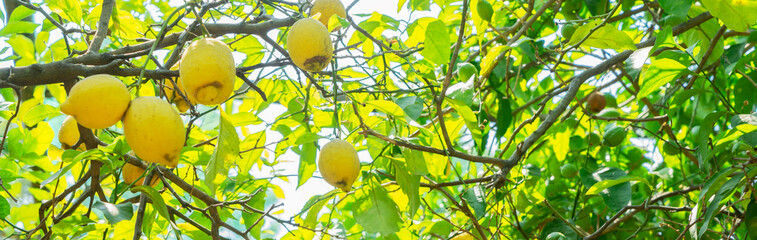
{"x":485,"y":10}
{"x":97,"y":101}
{"x":463,"y":236}
{"x":596,"y":102}
{"x":327,"y":8}
{"x":174,"y":96}
{"x":154,"y":131}
{"x":568,"y":170}
{"x":207,"y":71}
{"x":309,"y":45}
{"x":465,"y":71}
{"x":614,"y":136}
{"x":339,"y":164}
{"x":131,"y":172}
{"x":68,"y":135}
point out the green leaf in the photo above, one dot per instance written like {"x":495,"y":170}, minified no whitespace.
{"x":678,"y":8}
{"x":415,"y":162}
{"x":616,"y":197}
{"x":387,"y":107}
{"x":157,"y":201}
{"x":490,"y":60}
{"x":376,"y":212}
{"x":412,"y":105}
{"x":39,"y":113}
{"x":307,"y":137}
{"x":713,"y":203}
{"x":750,"y":217}
{"x":410,"y":185}
{"x":318,"y":201}
{"x":5,"y":208}
{"x":606,"y":37}
{"x":18,"y":27}
{"x":476,"y":198}
{"x":115,"y":213}
{"x":735,"y":14}
{"x":658,"y":74}
{"x":68,"y":9}
{"x":437,"y":44}
{"x":703,"y":150}
{"x":604,"y":184}
{"x":686,"y":95}
{"x":307,"y":162}
{"x":504,"y":116}
{"x":226,"y":152}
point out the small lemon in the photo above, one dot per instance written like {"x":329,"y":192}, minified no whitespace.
{"x":131,"y":172}
{"x":97,"y":101}
{"x":339,"y":164}
{"x":68,"y":135}
{"x":154,"y":131}
{"x":174,"y":96}
{"x":327,"y":8}
{"x":309,"y":45}
{"x":207,"y":71}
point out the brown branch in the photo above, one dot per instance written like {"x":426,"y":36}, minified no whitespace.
{"x":102,"y":26}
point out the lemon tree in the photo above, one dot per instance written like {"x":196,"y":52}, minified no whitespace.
{"x":328,"y":119}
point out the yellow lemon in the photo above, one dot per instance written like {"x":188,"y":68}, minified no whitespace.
{"x":97,"y":101}
{"x":174,"y":96}
{"x":463,"y":236}
{"x":154,"y":131}
{"x":327,"y":8}
{"x":309,"y":45}
{"x":68,"y":135}
{"x":339,"y":164}
{"x":207,"y":71}
{"x":133,"y":174}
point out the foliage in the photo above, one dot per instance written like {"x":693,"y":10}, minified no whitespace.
{"x":441,"y":156}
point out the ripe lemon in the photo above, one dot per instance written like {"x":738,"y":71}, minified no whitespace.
{"x":174,"y":96}
{"x":327,"y":8}
{"x":339,"y":164}
{"x":131,"y":172}
{"x":154,"y":131}
{"x":68,"y":135}
{"x":309,"y":45}
{"x":207,"y":71}
{"x":97,"y":101}
{"x":463,"y":236}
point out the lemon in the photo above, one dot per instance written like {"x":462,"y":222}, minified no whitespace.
{"x":485,"y":10}
{"x":568,"y":170}
{"x":133,"y":174}
{"x":207,"y":71}
{"x":614,"y":136}
{"x":596,"y":102}
{"x":309,"y":45}
{"x":327,"y":8}
{"x":97,"y":101}
{"x":154,"y":131}
{"x":463,"y":236}
{"x":174,"y":96}
{"x":465,"y":71}
{"x":339,"y":164}
{"x":68,"y":135}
